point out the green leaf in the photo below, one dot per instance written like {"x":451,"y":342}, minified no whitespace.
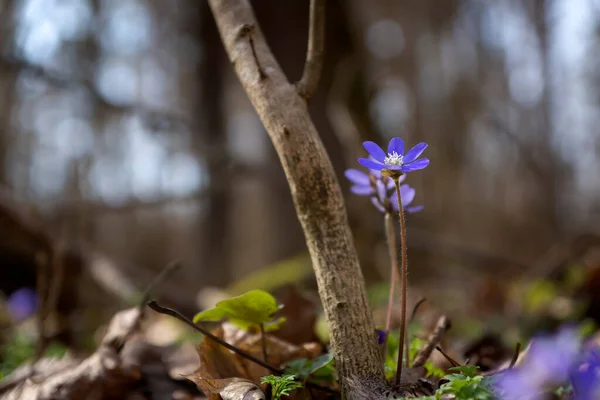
{"x":467,"y":370}
{"x":281,"y":385}
{"x":248,"y":310}
{"x":303,"y":368}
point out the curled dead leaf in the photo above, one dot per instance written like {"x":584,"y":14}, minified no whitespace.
{"x":228,"y":389}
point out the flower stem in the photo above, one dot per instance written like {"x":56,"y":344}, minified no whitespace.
{"x":391,"y":241}
{"x":403,"y":274}
{"x":263,"y":340}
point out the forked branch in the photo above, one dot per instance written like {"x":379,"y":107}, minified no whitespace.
{"x":315,"y":190}
{"x":307,"y":86}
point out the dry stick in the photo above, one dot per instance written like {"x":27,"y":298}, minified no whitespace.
{"x":443,"y":324}
{"x":316,"y":193}
{"x":416,"y":308}
{"x":307,"y":85}
{"x":162,"y":276}
{"x":263,"y":341}
{"x":447,"y":357}
{"x":155,"y":282}
{"x":403,"y":274}
{"x":515,"y":357}
{"x":168,"y":311}
{"x":391,"y":239}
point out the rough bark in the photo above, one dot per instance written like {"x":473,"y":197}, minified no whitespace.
{"x":316,"y":193}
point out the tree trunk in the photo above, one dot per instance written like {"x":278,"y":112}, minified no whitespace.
{"x":315,"y":190}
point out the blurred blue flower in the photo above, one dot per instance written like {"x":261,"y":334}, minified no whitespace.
{"x":382,"y":190}
{"x":381,"y":336}
{"x":22,"y":303}
{"x":395,"y":159}
{"x":585,"y":376}
{"x":547,"y":362}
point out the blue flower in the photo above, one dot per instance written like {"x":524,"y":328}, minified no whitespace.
{"x":585,"y":376}
{"x":547,"y":361}
{"x":382,"y":190}
{"x":381,"y":336}
{"x":395,"y":159}
{"x":22,"y":303}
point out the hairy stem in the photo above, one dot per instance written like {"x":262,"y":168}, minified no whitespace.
{"x":391,"y":240}
{"x":403,"y":274}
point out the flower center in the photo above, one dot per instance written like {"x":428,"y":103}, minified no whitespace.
{"x":393,"y":159}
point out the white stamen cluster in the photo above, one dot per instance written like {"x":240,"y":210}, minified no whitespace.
{"x":393,"y":159}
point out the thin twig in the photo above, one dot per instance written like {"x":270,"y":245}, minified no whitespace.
{"x":443,"y":324}
{"x":515,"y":357}
{"x":307,"y":85}
{"x":391,"y":239}
{"x":168,"y":311}
{"x":156,"y":281}
{"x":162,"y":276}
{"x":416,"y":308}
{"x":404,"y":275}
{"x":447,"y":357}
{"x":263,"y":341}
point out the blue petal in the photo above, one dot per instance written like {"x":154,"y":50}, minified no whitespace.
{"x":416,"y":165}
{"x":377,"y":204}
{"x":414,"y":209}
{"x":375,"y":173}
{"x":362,"y":190}
{"x":396,"y":145}
{"x":357,"y":177}
{"x":391,"y":184}
{"x":408,"y":195}
{"x":394,"y":202}
{"x":374,"y":150}
{"x":414,"y":153}
{"x":381,"y":191}
{"x":371,"y":164}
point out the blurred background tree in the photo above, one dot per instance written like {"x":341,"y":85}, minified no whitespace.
{"x":123,"y":127}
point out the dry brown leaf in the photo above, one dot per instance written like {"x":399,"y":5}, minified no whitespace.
{"x":216,"y":362}
{"x":228,"y":389}
{"x":218,"y":366}
{"x":101,"y":375}
{"x":279,"y":351}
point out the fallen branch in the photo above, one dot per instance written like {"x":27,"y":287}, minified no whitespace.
{"x":433,"y":340}
{"x":104,"y":374}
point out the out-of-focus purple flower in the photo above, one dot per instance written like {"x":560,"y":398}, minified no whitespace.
{"x":395,"y":159}
{"x":585,"y":376}
{"x":515,"y":385}
{"x":381,"y":336}
{"x":382,"y":190}
{"x":547,"y":362}
{"x":550,"y":357}
{"x":22,"y":303}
